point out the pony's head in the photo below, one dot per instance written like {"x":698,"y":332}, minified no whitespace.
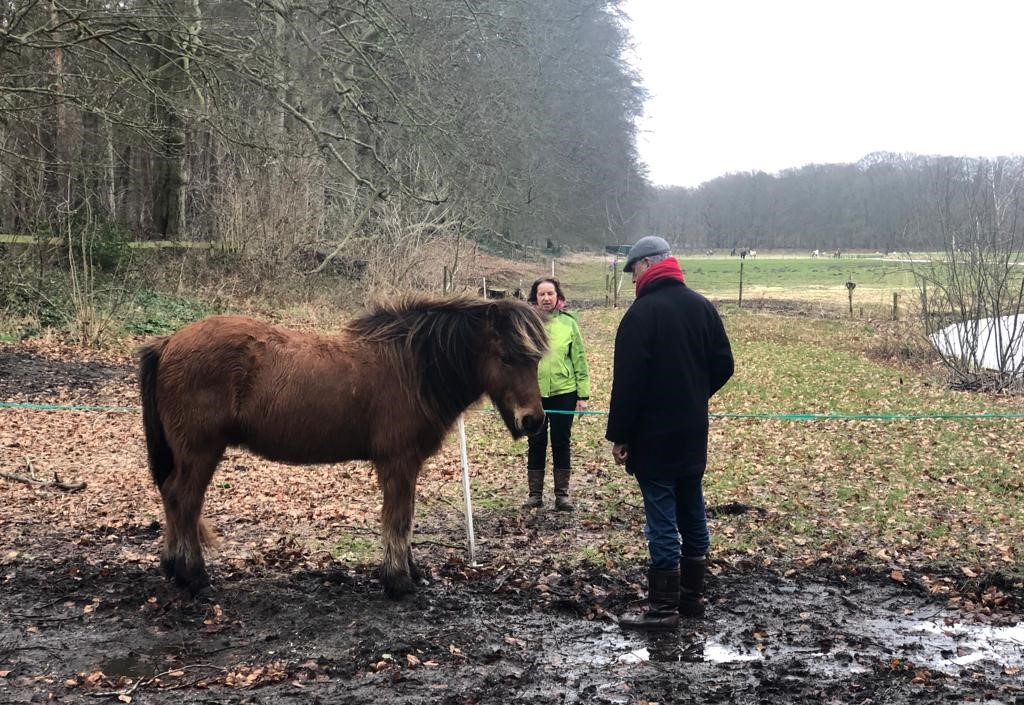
{"x":515,"y":343}
{"x":451,"y":350}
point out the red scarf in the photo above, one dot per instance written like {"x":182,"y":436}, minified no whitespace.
{"x":667,"y":268}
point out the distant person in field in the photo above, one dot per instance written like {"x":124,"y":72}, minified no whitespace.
{"x":564,"y":386}
{"x":671,"y":355}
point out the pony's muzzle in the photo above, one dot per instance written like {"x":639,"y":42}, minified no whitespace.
{"x":531,"y":423}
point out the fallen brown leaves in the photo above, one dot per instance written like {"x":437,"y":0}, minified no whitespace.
{"x":239,"y":676}
{"x":247,"y":676}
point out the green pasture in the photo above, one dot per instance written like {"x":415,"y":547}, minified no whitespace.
{"x":721,"y":276}
{"x":789,"y":277}
{"x":940,"y":492}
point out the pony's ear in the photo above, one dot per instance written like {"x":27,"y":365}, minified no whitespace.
{"x":491,"y":309}
{"x":495,"y":315}
{"x":502,"y":321}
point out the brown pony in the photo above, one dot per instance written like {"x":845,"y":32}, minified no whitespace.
{"x":387,"y":389}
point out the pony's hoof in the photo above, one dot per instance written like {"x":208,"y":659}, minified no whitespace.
{"x":167,"y":567}
{"x":201,"y":592}
{"x":398,"y":586}
{"x":198,"y":585}
{"x":192,"y":579}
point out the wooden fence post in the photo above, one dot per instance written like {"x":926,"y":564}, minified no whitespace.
{"x":740,"y":304}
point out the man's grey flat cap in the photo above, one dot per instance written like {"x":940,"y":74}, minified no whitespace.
{"x":648,"y":246}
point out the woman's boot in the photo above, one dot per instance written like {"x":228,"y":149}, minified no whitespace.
{"x":691,"y":586}
{"x":562,"y":501}
{"x":663,"y":596}
{"x":535,"y":481}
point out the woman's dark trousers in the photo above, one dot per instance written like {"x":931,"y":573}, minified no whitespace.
{"x":560,"y":426}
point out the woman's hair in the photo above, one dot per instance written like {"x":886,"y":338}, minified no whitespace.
{"x":532,"y":298}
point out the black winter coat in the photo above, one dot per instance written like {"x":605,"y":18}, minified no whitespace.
{"x":671,"y":356}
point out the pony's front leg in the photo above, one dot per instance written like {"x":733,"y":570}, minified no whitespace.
{"x":398,"y":572}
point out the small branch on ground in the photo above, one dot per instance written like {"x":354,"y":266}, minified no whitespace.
{"x":55,"y":482}
{"x":143,"y":682}
{"x":441,"y":544}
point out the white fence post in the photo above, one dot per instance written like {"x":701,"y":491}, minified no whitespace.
{"x":465,"y":491}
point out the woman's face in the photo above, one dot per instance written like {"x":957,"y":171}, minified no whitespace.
{"x":547,"y":297}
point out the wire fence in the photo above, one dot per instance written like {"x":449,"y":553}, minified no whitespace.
{"x":762,"y":415}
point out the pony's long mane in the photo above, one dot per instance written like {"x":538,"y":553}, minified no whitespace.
{"x":435,"y":342}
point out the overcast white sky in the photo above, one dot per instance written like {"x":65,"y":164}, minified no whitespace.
{"x":741,"y":85}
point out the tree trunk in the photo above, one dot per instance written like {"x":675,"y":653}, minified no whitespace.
{"x":54,"y":163}
{"x":171,"y":61}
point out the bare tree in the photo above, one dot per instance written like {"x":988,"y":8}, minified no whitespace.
{"x":972,"y":298}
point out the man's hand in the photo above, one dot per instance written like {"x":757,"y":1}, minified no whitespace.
{"x":581,"y":405}
{"x":620,"y":451}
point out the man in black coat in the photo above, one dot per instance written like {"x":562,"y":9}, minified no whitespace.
{"x":671,"y":356}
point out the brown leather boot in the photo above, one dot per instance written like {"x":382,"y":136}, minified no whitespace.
{"x":535,"y":481}
{"x":691,"y":586}
{"x":562,"y":501}
{"x":663,"y":613}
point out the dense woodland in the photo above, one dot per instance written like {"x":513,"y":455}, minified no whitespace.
{"x":279,"y":124}
{"x":886,"y":202}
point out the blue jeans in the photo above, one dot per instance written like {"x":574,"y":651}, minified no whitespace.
{"x":677,"y":524}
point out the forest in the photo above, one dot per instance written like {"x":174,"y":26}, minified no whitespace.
{"x":274,"y":126}
{"x":883,"y":203}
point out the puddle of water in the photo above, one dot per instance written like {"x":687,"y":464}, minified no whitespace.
{"x":719,"y":653}
{"x":674,"y":650}
{"x":635,"y":656}
{"x":950,"y":647}
{"x":922,"y":642}
{"x":143,"y":665}
{"x":128,"y":666}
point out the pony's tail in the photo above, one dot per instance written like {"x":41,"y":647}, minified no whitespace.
{"x":161,"y":458}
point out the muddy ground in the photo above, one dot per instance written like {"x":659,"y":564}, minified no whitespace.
{"x":86,"y":617}
{"x":74,"y":630}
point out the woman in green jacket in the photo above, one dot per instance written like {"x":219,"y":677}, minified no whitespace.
{"x":564,"y":386}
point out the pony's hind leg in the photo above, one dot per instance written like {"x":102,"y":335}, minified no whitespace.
{"x":398,"y":572}
{"x":185,"y":533}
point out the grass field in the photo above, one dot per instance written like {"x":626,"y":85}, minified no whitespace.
{"x":881,"y":490}
{"x":918,"y":491}
{"x":781,"y":278}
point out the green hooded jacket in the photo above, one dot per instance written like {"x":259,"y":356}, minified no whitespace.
{"x":564,"y":369}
